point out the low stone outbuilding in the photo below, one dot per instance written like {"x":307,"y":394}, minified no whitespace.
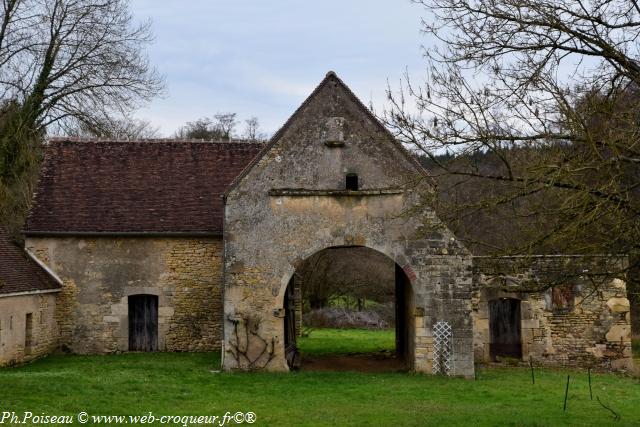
{"x":28,"y":328}
{"x":553,"y":310}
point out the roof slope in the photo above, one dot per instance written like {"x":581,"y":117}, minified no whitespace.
{"x":159,"y":186}
{"x":18,"y":272}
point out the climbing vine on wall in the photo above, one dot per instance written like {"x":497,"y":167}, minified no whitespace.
{"x":248,"y":348}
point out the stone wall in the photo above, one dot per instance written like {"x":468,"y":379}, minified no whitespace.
{"x":294,"y":203}
{"x":591,"y":330}
{"x":15,"y":345}
{"x":99,"y":275}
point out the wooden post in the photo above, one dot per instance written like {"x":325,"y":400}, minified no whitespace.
{"x":533,"y":378}
{"x":566,"y":394}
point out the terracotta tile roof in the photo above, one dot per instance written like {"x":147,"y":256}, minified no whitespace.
{"x":163,"y":186}
{"x":18,"y":272}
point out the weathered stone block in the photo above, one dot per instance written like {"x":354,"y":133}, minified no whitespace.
{"x":619,"y":333}
{"x":618,"y":305}
{"x":530,"y":324}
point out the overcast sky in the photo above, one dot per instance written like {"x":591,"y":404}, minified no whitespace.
{"x":263,"y":58}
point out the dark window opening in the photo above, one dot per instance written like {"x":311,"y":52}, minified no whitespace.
{"x":352,"y":182}
{"x":28,"y":333}
{"x":562,"y":298}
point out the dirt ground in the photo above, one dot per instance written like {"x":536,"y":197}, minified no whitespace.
{"x":359,"y":362}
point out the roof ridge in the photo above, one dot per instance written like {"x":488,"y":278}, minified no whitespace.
{"x":70,"y":139}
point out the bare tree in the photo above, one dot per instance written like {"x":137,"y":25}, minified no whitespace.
{"x":547,"y":90}
{"x":252,"y":128}
{"x":358,"y":273}
{"x":74,"y":58}
{"x":221,"y":128}
{"x":526,"y":82}
{"x":63,"y":61}
{"x":225,"y":124}
{"x":112,"y":128}
{"x":202,"y":128}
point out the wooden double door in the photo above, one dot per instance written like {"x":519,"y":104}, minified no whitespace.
{"x":143,"y":323}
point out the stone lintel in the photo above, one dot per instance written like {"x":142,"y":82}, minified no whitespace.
{"x":301,"y":192}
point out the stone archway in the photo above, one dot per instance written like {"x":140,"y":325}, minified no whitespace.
{"x":257,"y":276}
{"x":294,"y":200}
{"x":369,"y":274}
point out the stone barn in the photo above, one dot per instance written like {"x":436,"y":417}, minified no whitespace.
{"x":195,"y":246}
{"x":28,"y":289}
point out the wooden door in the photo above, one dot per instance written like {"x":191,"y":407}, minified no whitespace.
{"x":402,"y":333}
{"x":143,"y":323}
{"x":291,"y":352}
{"x":504,"y":326}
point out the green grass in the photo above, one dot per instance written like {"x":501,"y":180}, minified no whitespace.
{"x":344,"y":341}
{"x":187,"y":384}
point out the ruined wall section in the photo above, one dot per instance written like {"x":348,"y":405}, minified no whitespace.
{"x":593,"y":331}
{"x":292,"y":204}
{"x":99,"y":274}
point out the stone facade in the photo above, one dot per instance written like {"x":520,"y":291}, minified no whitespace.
{"x":99,"y":274}
{"x":292,"y":202}
{"x":589,"y":327}
{"x":28,"y":328}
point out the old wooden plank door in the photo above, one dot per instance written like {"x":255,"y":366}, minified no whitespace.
{"x":291,"y":352}
{"x":402,"y":332}
{"x":143,"y":323}
{"x":504,"y":326}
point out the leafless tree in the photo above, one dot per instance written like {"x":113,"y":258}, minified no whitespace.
{"x":202,"y":128}
{"x":526,"y":82}
{"x":61,"y":61}
{"x":358,"y":273}
{"x":112,"y":128}
{"x":547,"y":89}
{"x":225,"y":124}
{"x":220,"y":128}
{"x":252,"y":130}
{"x":74,"y":58}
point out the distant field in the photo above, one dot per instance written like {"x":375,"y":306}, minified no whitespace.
{"x":190,"y":384}
{"x":345,"y":341}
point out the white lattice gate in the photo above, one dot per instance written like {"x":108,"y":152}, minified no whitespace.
{"x":442,"y":348}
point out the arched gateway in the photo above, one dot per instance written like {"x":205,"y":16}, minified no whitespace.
{"x":331,"y":177}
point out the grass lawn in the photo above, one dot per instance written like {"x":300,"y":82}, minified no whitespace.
{"x":344,"y":341}
{"x":184,"y":384}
